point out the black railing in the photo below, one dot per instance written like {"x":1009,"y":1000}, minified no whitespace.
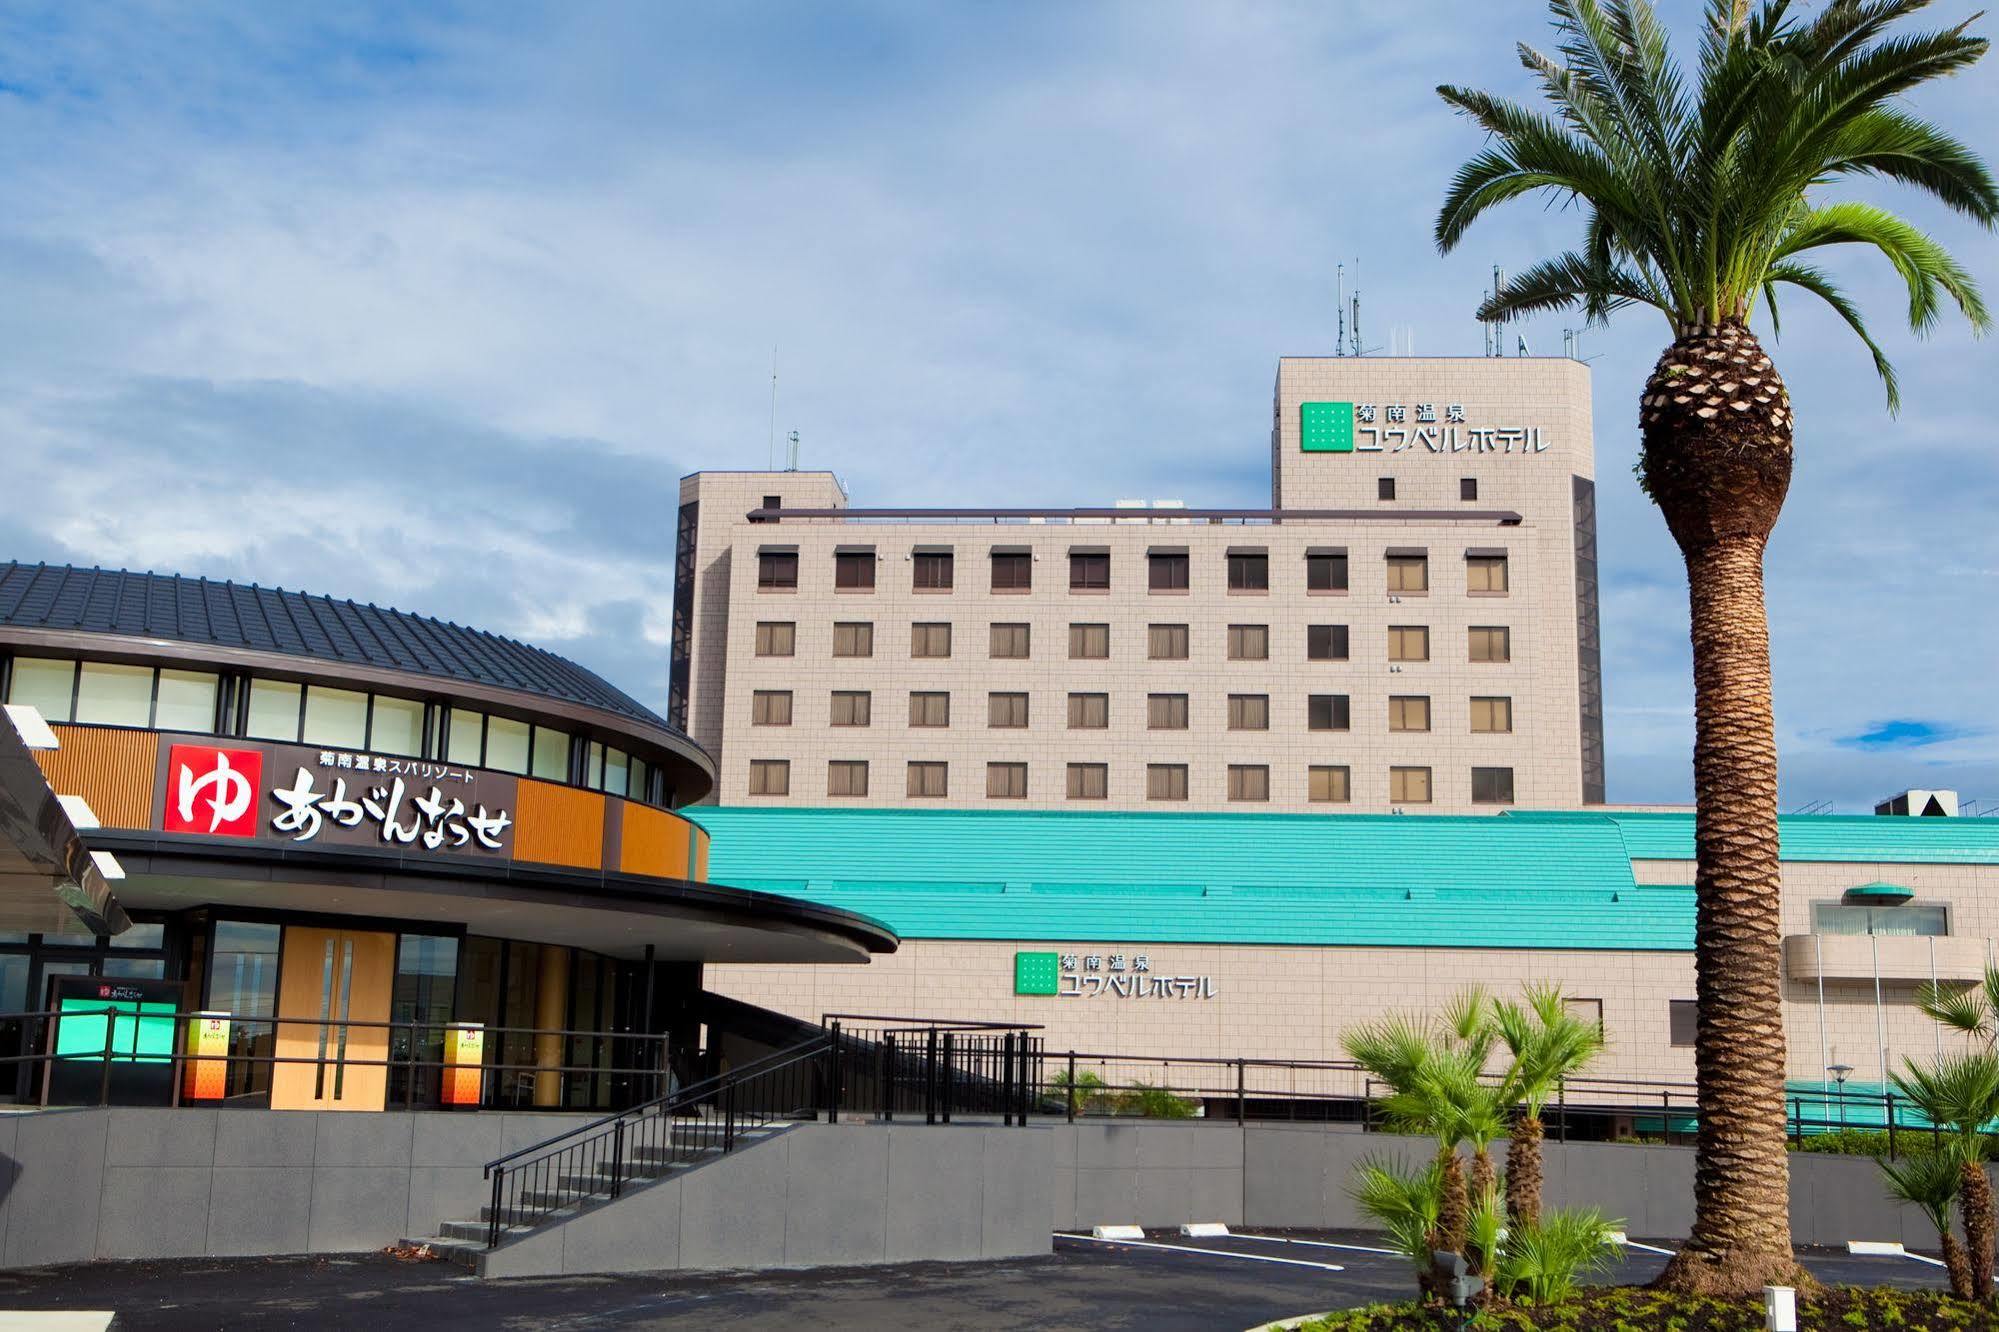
{"x":939,"y":1069}
{"x":594,"y":1162}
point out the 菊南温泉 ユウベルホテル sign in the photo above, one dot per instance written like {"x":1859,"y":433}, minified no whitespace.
{"x":1399,"y":427}
{"x":1121,"y":975}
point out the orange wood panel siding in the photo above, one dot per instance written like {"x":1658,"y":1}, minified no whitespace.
{"x":112,"y":770}
{"x":558,"y":825}
{"x":700,"y":872}
{"x":655,"y":842}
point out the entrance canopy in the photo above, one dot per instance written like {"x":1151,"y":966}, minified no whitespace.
{"x":49,"y":882}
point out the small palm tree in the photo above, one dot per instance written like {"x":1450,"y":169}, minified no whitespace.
{"x":1931,"y":1181}
{"x":1971,"y":1009}
{"x":1548,"y":1043}
{"x":1701,"y":202}
{"x":1404,"y":1202}
{"x":1960,"y":1093}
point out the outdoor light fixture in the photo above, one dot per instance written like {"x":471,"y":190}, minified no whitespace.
{"x":1839,"y":1072}
{"x":1461,"y":1282}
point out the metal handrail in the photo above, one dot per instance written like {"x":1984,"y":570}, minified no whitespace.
{"x":900,"y":1023}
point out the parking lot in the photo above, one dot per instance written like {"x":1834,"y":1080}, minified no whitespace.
{"x":1169,"y":1284}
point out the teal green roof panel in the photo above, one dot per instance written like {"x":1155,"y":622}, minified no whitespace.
{"x":1144,"y":877}
{"x":1857,"y":838}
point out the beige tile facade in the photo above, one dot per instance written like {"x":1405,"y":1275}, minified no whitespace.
{"x":1293,"y":1003}
{"x":1524,"y":438}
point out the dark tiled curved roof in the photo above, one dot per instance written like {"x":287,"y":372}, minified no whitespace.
{"x":296,"y":624}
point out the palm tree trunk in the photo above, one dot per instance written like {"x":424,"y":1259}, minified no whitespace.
{"x":1483,"y":1177}
{"x":1717,"y":460}
{"x":1523,"y":1172}
{"x":1975,"y":1201}
{"x":1451,"y":1213}
{"x":1958,"y":1266}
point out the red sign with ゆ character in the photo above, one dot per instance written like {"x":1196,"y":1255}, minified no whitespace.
{"x":213,"y":791}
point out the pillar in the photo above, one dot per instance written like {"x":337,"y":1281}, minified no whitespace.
{"x":551,"y":1013}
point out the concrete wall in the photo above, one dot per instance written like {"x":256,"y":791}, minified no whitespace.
{"x":819,"y":1195}
{"x":1284,"y":1175}
{"x":150,"y":1183}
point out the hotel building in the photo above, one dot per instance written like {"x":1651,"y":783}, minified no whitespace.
{"x":1410,"y":625}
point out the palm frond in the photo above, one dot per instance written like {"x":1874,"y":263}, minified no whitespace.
{"x":1818,"y":284}
{"x":1405,"y":1200}
{"x":1928,"y":1181}
{"x":1926,"y":267}
{"x":1959,"y":1093}
{"x":1961,"y":1008}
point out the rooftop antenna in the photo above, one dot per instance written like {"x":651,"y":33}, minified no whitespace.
{"x":1495,"y":341}
{"x":770,"y":453}
{"x":1340,"y":305}
{"x":1354,"y":329}
{"x":791,"y":452}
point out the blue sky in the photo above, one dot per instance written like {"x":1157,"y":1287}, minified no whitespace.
{"x":432,"y":305}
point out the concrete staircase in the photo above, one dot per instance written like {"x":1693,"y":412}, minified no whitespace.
{"x":574,"y":1195}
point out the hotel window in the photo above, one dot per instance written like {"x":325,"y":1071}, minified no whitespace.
{"x":1249,"y":712}
{"x":1325,"y":642}
{"x":1089,"y":712}
{"x":111,"y":695}
{"x":777,"y":570}
{"x":776,"y":638}
{"x":1682,"y":1020}
{"x":770,"y":502}
{"x":1089,"y":571}
{"x":1491,"y":643}
{"x":1006,"y":781}
{"x":395,"y":725}
{"x":1384,"y":488}
{"x":852,"y":707}
{"x":1904,"y":921}
{"x":551,"y":754}
{"x":1491,"y":715}
{"x":1165,"y":781}
{"x":1249,"y":781}
{"x":1588,"y":1010}
{"x":929,"y":709}
{"x":506,"y":744}
{"x":617,"y":778}
{"x":1409,"y":786}
{"x":1328,"y":712}
{"x":335,"y":717}
{"x":1166,"y":712}
{"x":1408,"y":573}
{"x":853,"y":638}
{"x":1468,"y":488}
{"x":1166,"y":642}
{"x":770,"y":777}
{"x":49,"y":687}
{"x":1013,"y":571}
{"x":274,"y":709}
{"x":847,"y":777}
{"x":1166,"y":571}
{"x":770,"y":707}
{"x":930,"y":640}
{"x":1492,"y":786}
{"x":1408,"y":642}
{"x":1249,"y":571}
{"x":1006,"y":712}
{"x":933,"y":570}
{"x":1326,"y":571}
{"x":1249,"y":642}
{"x":1089,"y":642}
{"x":928,"y":781}
{"x":465,"y":738}
{"x":1009,"y":642}
{"x":1089,"y":781}
{"x":1408,"y":712}
{"x":854,"y":570}
{"x":1485,"y":574}
{"x":1329,"y":785}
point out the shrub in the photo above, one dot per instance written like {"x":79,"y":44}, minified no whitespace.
{"x":1632,"y":1309}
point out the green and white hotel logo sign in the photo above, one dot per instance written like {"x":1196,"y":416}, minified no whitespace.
{"x":1402,"y":427}
{"x":1121,"y":975}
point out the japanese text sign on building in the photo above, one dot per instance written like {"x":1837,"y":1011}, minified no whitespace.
{"x":1127,"y":974}
{"x":1400,"y":427}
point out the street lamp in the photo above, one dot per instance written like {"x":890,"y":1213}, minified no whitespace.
{"x":1839,"y":1072}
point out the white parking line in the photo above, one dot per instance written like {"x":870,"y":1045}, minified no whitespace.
{"x":1619,"y":1237}
{"x":1212,"y":1253}
{"x":1316,"y":1244}
{"x":1888,"y":1249}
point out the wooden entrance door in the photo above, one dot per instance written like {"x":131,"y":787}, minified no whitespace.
{"x":338,"y":978}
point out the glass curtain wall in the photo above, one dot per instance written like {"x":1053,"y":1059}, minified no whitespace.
{"x":425,"y":990}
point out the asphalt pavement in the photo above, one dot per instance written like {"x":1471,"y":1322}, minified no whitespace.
{"x":1082,"y":1285}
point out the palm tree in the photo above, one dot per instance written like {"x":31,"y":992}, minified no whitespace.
{"x":1700,"y":203}
{"x":1960,"y":1093}
{"x":1931,"y":1181}
{"x":1548,"y":1044}
{"x":1971,"y":1009}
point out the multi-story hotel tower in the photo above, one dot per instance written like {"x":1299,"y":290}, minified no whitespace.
{"x":1411,"y":624}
